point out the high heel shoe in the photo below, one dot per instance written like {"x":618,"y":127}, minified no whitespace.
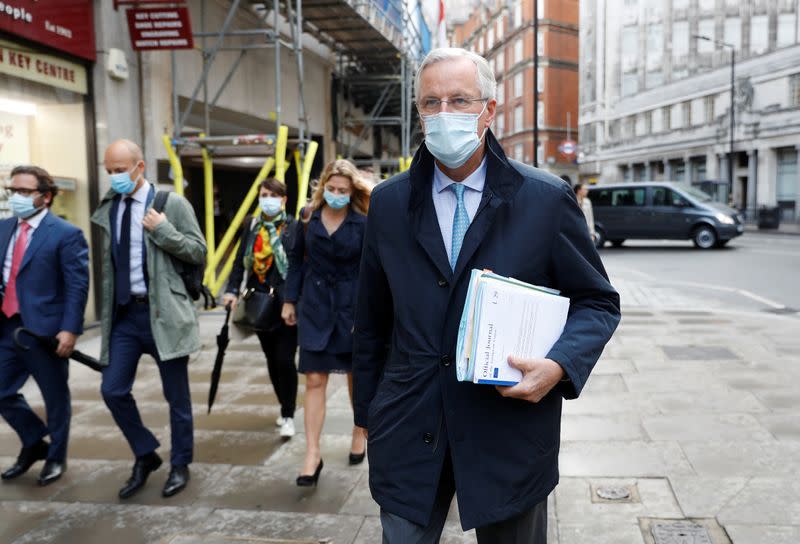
{"x":356,"y":458}
{"x":308,"y":480}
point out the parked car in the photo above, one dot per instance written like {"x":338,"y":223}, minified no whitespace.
{"x":661,"y":210}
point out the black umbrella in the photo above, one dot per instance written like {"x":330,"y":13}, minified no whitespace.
{"x":50,"y":343}
{"x":222,"y":344}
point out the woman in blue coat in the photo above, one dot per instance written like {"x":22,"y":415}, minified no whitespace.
{"x":320,"y":297}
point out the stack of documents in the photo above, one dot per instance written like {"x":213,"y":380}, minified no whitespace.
{"x":505,"y":317}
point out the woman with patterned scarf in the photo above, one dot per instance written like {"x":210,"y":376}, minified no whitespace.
{"x":262,"y":264}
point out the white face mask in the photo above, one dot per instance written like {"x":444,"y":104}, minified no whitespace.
{"x":453,"y":137}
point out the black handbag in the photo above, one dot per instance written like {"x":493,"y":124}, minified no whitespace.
{"x":259,"y":310}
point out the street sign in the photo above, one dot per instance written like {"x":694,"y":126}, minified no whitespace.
{"x":568,"y":147}
{"x":160,"y":28}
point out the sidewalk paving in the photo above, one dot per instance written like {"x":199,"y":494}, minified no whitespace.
{"x":692,"y":411}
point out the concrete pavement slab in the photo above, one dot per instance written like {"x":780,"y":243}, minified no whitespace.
{"x":759,"y":534}
{"x":700,"y":427}
{"x":743,"y":458}
{"x":621,"y":427}
{"x":16,"y":518}
{"x":769,"y":501}
{"x":639,"y":459}
{"x":701,"y":497}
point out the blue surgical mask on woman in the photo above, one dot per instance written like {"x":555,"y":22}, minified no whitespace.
{"x":452,"y":137}
{"x":271,"y":205}
{"x":122,"y":183}
{"x":22,"y":206}
{"x":337,"y":202}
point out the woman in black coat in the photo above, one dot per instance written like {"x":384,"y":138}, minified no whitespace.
{"x":322,"y":281}
{"x":262,"y":264}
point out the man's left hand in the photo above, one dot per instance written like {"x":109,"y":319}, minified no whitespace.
{"x":66,"y":343}
{"x":539,"y":376}
{"x":153,"y":219}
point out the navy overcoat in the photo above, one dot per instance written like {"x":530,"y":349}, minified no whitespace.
{"x":504,"y":451}
{"x":322,"y":281}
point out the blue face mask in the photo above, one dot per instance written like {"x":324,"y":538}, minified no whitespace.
{"x":271,"y":205}
{"x":452,"y":137}
{"x":337,"y":202}
{"x":22,"y":206}
{"x":122,"y":183}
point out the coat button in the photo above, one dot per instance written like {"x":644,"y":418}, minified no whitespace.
{"x":427,"y":438}
{"x":446,"y":360}
{"x":442,"y":282}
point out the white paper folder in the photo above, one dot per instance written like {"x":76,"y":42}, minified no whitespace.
{"x":505,"y":317}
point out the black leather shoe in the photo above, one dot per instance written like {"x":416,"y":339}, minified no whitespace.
{"x":307,"y":480}
{"x":27,"y":457}
{"x":356,"y":458}
{"x":141,"y":470}
{"x":51,"y":472}
{"x":177,"y":480}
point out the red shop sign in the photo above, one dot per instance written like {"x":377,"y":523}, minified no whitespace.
{"x":160,"y":28}
{"x":66,"y":25}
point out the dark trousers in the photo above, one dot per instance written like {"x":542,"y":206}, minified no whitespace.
{"x":279,"y":348}
{"x":131,"y":337}
{"x":51,"y":374}
{"x":527,"y":528}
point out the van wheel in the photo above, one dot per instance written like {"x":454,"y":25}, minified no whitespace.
{"x":704,"y":237}
{"x":599,"y":238}
{"x":617,"y":243}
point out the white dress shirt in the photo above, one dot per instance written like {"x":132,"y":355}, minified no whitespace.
{"x":444,"y":200}
{"x":34,"y":222}
{"x":138,"y":203}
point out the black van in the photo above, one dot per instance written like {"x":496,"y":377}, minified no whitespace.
{"x":661,"y":210}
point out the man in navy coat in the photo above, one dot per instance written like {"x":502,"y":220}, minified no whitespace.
{"x":45,"y":284}
{"x":465,"y":205}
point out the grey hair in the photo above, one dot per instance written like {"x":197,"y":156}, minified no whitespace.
{"x":486,"y":81}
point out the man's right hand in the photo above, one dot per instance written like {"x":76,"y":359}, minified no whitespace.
{"x":230,"y":298}
{"x":289,"y":314}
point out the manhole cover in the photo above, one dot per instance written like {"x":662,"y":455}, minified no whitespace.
{"x":613,"y":493}
{"x":680,"y":532}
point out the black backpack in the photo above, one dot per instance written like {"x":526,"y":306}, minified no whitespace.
{"x":191,"y":274}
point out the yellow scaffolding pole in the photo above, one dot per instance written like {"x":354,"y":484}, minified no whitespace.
{"x":175,"y":164}
{"x":305,"y":176}
{"x":280,"y":153}
{"x":208,"y":180}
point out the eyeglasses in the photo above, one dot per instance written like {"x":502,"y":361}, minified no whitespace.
{"x":457,"y":103}
{"x":20,"y":191}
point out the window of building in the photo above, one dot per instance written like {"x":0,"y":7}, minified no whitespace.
{"x":786,"y":184}
{"x":680,"y":5}
{"x":490,"y":37}
{"x":629,"y":127}
{"x":518,"y":152}
{"x":540,"y":154}
{"x":675,"y":116}
{"x":666,"y":118}
{"x":655,"y":46}
{"x":706,"y":5}
{"x":517,"y":13}
{"x":759,"y":34}
{"x":697,"y":109}
{"x":656,"y":121}
{"x":641,"y":124}
{"x":501,"y":93}
{"x":540,"y":79}
{"x":709,"y":109}
{"x":794,"y":90}
{"x":540,"y":117}
{"x":499,"y":124}
{"x":655,"y":79}
{"x":687,"y":114}
{"x":680,"y":43}
{"x":630,"y":47}
{"x":519,"y":120}
{"x":733,"y":32}
{"x":540,"y":44}
{"x":785,"y":34}
{"x":705,"y":27}
{"x":500,"y":27}
{"x":630,"y":84}
{"x":501,"y":64}
{"x":613,"y":130}
{"x":518,"y":85}
{"x":518,"y":50}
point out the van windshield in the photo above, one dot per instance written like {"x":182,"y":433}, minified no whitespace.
{"x":693,"y":192}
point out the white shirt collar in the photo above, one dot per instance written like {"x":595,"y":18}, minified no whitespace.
{"x":36,"y":220}
{"x":141,"y":193}
{"x":474,"y":181}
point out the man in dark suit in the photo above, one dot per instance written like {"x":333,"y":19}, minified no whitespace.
{"x":464,"y":205}
{"x":45,"y":285}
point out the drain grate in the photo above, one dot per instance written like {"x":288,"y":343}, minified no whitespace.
{"x":680,"y":532}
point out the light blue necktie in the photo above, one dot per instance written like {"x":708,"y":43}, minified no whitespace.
{"x":460,"y":224}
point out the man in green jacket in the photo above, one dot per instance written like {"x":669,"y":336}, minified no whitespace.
{"x":146,"y":309}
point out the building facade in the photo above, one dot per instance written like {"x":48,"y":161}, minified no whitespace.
{"x":655,"y":99}
{"x":505,"y":34}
